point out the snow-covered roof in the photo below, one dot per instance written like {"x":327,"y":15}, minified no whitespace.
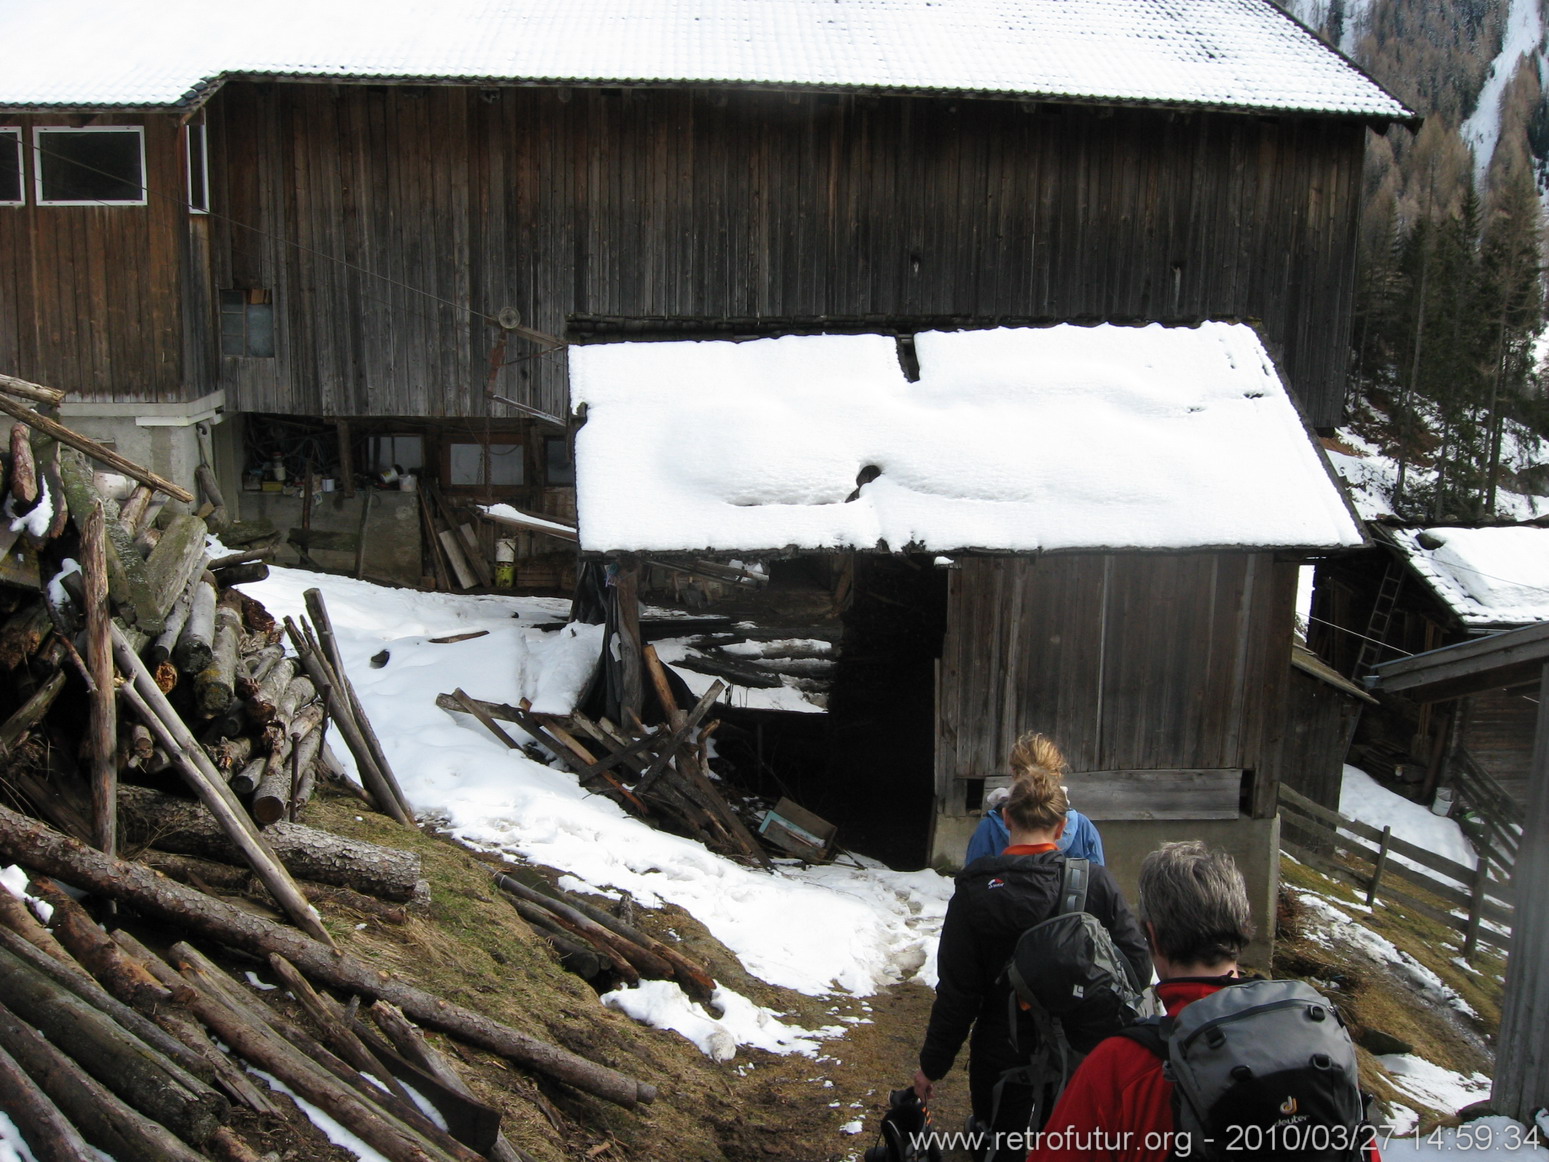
{"x":1014,"y":439}
{"x":1213,"y":53}
{"x":1492,"y":578}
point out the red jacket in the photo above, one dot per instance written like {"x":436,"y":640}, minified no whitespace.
{"x":1118,"y":1106}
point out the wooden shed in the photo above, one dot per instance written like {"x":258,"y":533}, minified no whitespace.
{"x":1122,"y":511}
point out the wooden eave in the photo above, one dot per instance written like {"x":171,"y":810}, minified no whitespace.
{"x":1514,"y":658}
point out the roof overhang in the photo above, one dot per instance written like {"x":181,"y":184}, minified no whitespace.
{"x":1497,"y":662}
{"x":1011,"y":440}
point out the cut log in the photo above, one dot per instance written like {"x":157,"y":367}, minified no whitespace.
{"x":104,"y":1120}
{"x":245,"y":780}
{"x":24,"y":473}
{"x":85,"y":940}
{"x":177,"y":1022}
{"x":270,"y":688}
{"x":215,"y":684}
{"x":23,"y":632}
{"x":17,"y":919}
{"x":104,"y":706}
{"x":47,"y":1132}
{"x":412,"y":1044}
{"x":178,"y":558}
{"x":25,"y":389}
{"x":135,"y":511}
{"x":72,"y":978}
{"x":127,"y":581}
{"x":31,"y":712}
{"x":142,"y":1076}
{"x":200,"y":773}
{"x":197,"y":640}
{"x":33,"y":845}
{"x":204,"y":476}
{"x":298,"y":692}
{"x":240,"y":574}
{"x":310,"y":853}
{"x":646,"y":962}
{"x":266,"y":1049}
{"x":232,"y":754}
{"x":177,"y":617}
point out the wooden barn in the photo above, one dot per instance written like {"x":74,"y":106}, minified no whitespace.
{"x":1421,"y":589}
{"x":359,"y":240}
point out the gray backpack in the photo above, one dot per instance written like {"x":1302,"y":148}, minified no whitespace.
{"x":1261,"y":1069}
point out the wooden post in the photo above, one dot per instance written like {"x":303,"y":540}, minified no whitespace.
{"x":1476,"y":909}
{"x":626,"y":588}
{"x":1382,"y":863}
{"x":346,"y":461}
{"x":104,"y":706}
{"x":1521,"y":1083}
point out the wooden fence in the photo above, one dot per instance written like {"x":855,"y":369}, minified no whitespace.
{"x":1313,"y":834}
{"x":1493,"y":821}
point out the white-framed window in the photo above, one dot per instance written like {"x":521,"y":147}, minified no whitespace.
{"x":11,"y":187}
{"x":98,"y":165}
{"x":196,"y":158}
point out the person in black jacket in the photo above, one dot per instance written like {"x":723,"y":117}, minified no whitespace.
{"x":996,"y":899}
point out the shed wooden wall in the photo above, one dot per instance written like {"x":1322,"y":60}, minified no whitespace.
{"x":1138,"y":662}
{"x":93,"y":298}
{"x":1498,"y":734}
{"x":750,"y":204}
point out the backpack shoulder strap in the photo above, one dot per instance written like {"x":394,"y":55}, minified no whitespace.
{"x":1153,"y":1033}
{"x":1075,"y":877}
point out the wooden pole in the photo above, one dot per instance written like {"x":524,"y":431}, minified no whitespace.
{"x":36,"y":392}
{"x":200,"y":774}
{"x":104,"y":706}
{"x":33,"y":845}
{"x":93,"y":449}
{"x":1380,"y":865}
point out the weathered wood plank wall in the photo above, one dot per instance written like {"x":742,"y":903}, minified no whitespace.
{"x":91,"y":297}
{"x":391,"y":222}
{"x":692,"y":203}
{"x":1136,"y":662}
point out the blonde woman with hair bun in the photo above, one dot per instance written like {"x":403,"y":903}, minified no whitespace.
{"x":997,"y":898}
{"x":1031,"y":753}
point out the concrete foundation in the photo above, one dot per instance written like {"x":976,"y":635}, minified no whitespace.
{"x":1253,"y":843}
{"x":391,"y":532}
{"x":161,"y":437}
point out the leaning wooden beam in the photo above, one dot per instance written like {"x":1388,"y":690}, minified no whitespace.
{"x":646,"y":962}
{"x":25,"y":389}
{"x":142,"y":1076}
{"x":93,"y":449}
{"x":33,"y":845}
{"x":200,"y":774}
{"x":47,"y":1132}
{"x":335,"y":659}
{"x":104,"y":706}
{"x":104,"y":1120}
{"x":389,"y":798}
{"x":30,"y":712}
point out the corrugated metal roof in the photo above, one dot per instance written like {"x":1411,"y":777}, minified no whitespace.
{"x":1215,"y":53}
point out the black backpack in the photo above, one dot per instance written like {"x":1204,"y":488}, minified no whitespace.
{"x":1261,"y":1069}
{"x":1077,"y":986}
{"x":906,"y":1133}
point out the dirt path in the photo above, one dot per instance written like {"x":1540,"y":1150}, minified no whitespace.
{"x":797,"y":1106}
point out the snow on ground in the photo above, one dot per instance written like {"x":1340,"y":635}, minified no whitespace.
{"x":1361,"y":797}
{"x":814,"y":930}
{"x":1522,"y":36}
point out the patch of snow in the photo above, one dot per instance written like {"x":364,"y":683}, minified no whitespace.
{"x":1523,"y":36}
{"x":1362,"y":797}
{"x":663,"y":1005}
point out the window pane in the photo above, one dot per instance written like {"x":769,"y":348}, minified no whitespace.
{"x":467,"y":465}
{"x":505,"y":464}
{"x":198,"y":171}
{"x":10,"y":167}
{"x":558,"y":467}
{"x":260,"y":330}
{"x":83,"y":165}
{"x":233,"y":323}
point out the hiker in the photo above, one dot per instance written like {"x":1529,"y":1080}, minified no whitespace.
{"x":996,"y":899}
{"x":1119,"y":1106}
{"x":1080,"y":840}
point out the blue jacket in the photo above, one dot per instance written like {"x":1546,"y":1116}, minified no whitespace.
{"x":1080,"y":840}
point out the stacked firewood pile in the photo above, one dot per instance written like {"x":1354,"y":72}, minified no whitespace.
{"x":658,"y":773}
{"x":132,"y":667}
